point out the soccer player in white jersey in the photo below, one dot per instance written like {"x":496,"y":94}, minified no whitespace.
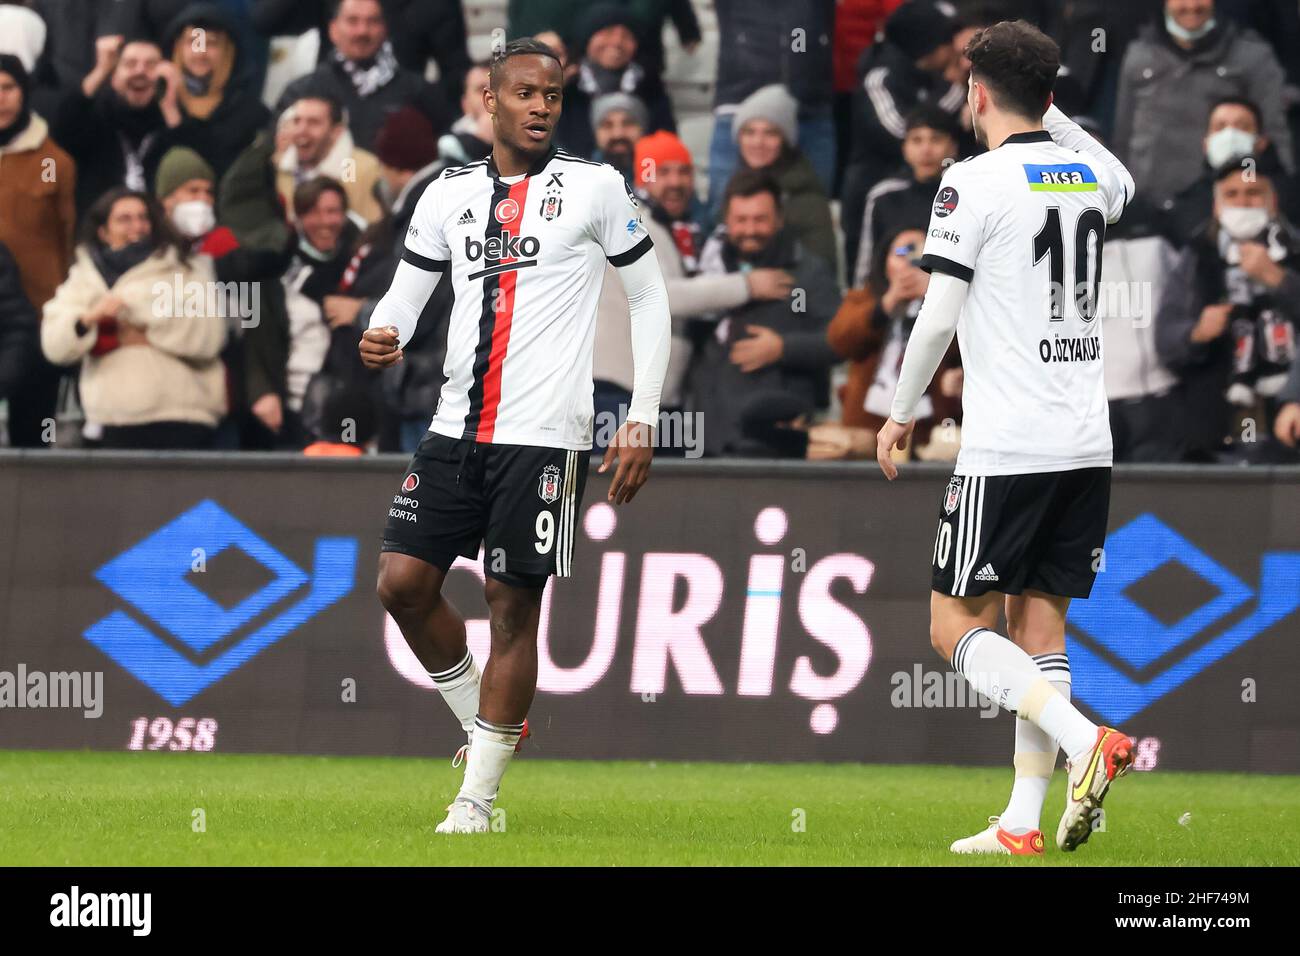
{"x":523,"y":236}
{"x":1014,"y":250}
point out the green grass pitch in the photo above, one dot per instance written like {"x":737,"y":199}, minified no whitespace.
{"x":79,"y":808}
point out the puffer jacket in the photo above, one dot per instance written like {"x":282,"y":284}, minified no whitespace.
{"x":176,"y":376}
{"x":1165,"y":95}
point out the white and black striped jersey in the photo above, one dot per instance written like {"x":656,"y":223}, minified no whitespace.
{"x":1024,"y":224}
{"x":526,"y":256}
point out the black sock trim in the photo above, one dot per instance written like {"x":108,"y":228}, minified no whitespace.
{"x":459,"y":670}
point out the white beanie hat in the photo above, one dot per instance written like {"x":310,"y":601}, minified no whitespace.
{"x":774,"y":104}
{"x":22,"y":33}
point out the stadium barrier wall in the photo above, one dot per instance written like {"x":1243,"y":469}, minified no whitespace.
{"x":738,"y":611}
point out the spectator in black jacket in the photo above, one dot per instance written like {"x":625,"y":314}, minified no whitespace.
{"x":120,"y":120}
{"x":72,"y":29}
{"x":1226,"y":324}
{"x":915,"y":63}
{"x":607,"y":39}
{"x":421,"y":30}
{"x":929,"y":146}
{"x":363,"y":74}
{"x":19,"y":346}
{"x":221,"y":114}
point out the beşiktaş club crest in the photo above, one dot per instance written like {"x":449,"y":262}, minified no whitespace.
{"x":548,"y":485}
{"x":551,"y":206}
{"x":952,"y":497}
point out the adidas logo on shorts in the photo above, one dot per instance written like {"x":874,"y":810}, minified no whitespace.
{"x":986,"y":573}
{"x":466,"y":219}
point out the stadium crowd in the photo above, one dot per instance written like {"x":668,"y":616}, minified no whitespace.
{"x":140,"y":151}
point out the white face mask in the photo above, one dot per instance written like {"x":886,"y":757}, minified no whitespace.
{"x":194,"y":218}
{"x":1228,"y":143}
{"x":1182,"y":33}
{"x":1243,"y":222}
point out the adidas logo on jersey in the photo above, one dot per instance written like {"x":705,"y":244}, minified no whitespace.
{"x":986,"y":573}
{"x":466,"y":218}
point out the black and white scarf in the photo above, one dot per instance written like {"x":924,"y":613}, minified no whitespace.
{"x":368,"y":80}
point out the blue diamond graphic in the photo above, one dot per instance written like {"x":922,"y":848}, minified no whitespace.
{"x":152,"y":575}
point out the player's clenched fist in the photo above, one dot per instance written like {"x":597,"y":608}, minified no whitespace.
{"x":379,"y":348}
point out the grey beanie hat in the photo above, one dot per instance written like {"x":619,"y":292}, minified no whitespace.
{"x":603,"y":105}
{"x":774,"y":104}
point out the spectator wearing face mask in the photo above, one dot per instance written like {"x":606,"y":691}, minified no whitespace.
{"x":220,"y":112}
{"x":363,"y":75}
{"x":150,"y":372}
{"x":1171,"y":76}
{"x":608,"y":37}
{"x":618,"y":121}
{"x":320,"y":144}
{"x":1226,"y":322}
{"x":1235,"y":130}
{"x":121,"y":119}
{"x":766,"y":130}
{"x":186,"y":188}
{"x":930,"y":144}
{"x":37,"y":222}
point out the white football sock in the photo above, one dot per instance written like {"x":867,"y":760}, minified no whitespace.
{"x":1035,"y":758}
{"x":459,"y":688}
{"x":489,"y":756}
{"x":1006,"y":675}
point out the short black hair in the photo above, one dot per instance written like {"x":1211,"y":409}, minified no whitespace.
{"x":751,"y":182}
{"x":334,"y":6}
{"x":524,"y":46}
{"x":1019,"y":63}
{"x":315,"y":92}
{"x":1245,"y":101}
{"x":929,"y":116}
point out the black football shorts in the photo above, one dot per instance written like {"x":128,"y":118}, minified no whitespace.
{"x":520,"y":502}
{"x":1013,"y":533}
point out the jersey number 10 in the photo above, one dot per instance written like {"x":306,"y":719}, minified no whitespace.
{"x":1049,"y":243}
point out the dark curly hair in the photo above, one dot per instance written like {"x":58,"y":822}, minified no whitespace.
{"x":1018,"y":63}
